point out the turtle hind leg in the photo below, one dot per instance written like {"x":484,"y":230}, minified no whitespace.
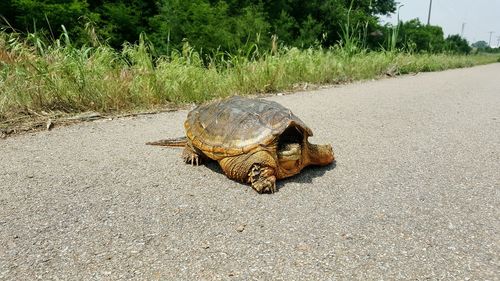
{"x":262,"y":179}
{"x":191,"y":155}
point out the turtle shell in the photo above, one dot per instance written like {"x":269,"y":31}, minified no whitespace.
{"x":238,"y":125}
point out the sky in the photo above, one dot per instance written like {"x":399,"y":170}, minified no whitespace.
{"x":480,"y":17}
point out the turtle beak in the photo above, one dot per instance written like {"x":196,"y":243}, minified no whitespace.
{"x":317,"y":154}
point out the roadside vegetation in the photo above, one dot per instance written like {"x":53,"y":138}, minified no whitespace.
{"x":51,"y":72}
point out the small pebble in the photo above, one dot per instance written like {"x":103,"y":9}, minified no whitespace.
{"x":241,"y":227}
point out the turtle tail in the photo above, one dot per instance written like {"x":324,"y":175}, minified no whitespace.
{"x":175,"y":142}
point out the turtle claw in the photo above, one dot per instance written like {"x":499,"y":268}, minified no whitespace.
{"x":191,"y":157}
{"x":265,"y":186}
{"x":262,"y":179}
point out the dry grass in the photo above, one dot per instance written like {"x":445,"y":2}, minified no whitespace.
{"x":38,"y":80}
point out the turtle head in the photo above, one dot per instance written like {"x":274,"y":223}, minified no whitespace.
{"x":295,"y":152}
{"x":318,"y":154}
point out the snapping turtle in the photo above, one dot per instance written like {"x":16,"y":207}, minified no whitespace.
{"x":254,"y":140}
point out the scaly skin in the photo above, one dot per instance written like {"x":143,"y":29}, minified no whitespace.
{"x":262,"y":179}
{"x":258,"y":169}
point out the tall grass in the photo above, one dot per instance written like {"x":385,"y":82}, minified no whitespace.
{"x":40,"y":78}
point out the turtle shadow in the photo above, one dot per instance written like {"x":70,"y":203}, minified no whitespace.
{"x":214,"y":166}
{"x":307,"y":175}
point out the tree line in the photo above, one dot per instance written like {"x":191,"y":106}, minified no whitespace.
{"x":227,"y":26}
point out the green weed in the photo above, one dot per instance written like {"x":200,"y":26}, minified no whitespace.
{"x":40,"y":78}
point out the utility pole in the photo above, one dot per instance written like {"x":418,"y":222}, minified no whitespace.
{"x":498,"y":41}
{"x":489,"y":42}
{"x":429,"y":16}
{"x":463,"y":27}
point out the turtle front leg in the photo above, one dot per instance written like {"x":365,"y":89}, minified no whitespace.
{"x":258,"y":169}
{"x":190,"y":155}
{"x":262,"y":179}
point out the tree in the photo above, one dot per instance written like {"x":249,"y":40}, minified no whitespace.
{"x":323,"y":21}
{"x":419,"y":37}
{"x":457,"y":44}
{"x":50,"y":15}
{"x":7,"y":12}
{"x":211,"y":25}
{"x":302,"y":23}
{"x":207,"y":26}
{"x":123,"y":21}
{"x":480,"y":44}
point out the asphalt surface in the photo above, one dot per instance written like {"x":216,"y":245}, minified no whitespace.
{"x":414,"y":194}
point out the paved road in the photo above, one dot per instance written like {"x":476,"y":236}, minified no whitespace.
{"x":415,"y":194}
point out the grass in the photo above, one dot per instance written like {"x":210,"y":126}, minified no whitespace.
{"x":37,"y":79}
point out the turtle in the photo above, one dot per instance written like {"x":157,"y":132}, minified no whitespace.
{"x":255,"y":141}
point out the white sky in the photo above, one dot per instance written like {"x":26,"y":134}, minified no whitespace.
{"x":480,"y":17}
